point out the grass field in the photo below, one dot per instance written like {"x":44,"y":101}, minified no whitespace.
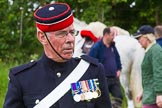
{"x":4,"y":69}
{"x":3,"y":81}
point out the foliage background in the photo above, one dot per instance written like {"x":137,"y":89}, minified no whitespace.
{"x":18,"y":43}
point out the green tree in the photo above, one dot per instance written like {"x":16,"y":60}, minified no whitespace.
{"x":147,"y":12}
{"x":18,"y":32}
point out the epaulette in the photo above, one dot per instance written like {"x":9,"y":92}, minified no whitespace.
{"x":90,"y":59}
{"x":21,"y":68}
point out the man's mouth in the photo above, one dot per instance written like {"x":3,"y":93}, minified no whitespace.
{"x":68,"y":50}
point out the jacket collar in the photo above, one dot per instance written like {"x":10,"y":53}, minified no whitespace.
{"x":150,"y":46}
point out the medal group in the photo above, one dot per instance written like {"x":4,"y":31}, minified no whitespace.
{"x":85,"y":90}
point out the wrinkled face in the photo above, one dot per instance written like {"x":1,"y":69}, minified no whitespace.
{"x":143,"y":41}
{"x":62,"y":41}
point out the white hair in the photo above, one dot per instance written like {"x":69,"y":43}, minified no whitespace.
{"x":47,"y":33}
{"x":150,"y":37}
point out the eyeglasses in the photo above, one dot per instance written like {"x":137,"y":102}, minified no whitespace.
{"x":63,"y":34}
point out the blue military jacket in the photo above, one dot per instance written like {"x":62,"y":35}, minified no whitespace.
{"x":33,"y":81}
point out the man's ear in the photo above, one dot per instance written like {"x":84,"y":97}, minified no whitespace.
{"x":41,"y":37}
{"x":156,"y":36}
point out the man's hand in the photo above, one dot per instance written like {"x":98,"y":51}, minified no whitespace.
{"x":139,"y":97}
{"x":159,"y":101}
{"x":118,"y":73}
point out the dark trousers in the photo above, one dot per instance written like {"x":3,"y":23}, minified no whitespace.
{"x":115,"y":89}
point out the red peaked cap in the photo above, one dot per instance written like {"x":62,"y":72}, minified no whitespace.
{"x":88,"y":33}
{"x":53,"y":17}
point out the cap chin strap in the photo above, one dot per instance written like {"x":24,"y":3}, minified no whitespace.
{"x":54,"y":48}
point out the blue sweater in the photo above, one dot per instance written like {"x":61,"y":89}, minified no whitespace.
{"x":98,"y":51}
{"x":159,"y":41}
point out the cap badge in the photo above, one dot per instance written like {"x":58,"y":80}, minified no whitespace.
{"x":51,"y":8}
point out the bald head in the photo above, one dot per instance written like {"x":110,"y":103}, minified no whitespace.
{"x":158,"y":31}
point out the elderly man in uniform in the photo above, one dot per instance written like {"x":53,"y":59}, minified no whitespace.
{"x":57,"y":80}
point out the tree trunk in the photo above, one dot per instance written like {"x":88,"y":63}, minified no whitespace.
{"x":157,"y":15}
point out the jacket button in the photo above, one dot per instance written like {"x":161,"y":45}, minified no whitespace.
{"x":37,"y":101}
{"x":58,"y":74}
